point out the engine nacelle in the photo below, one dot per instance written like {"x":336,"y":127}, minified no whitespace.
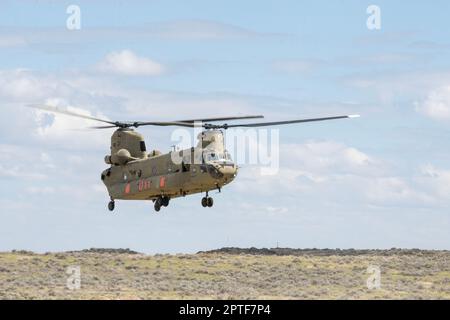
{"x":121,"y":157}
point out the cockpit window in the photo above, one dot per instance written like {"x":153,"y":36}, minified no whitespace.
{"x":212,"y":156}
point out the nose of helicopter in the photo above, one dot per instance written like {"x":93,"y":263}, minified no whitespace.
{"x":229,"y":170}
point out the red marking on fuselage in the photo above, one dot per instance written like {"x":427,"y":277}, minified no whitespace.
{"x":144,"y":185}
{"x":162,"y":182}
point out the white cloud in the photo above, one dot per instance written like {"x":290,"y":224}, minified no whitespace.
{"x":338,"y":174}
{"x":385,"y":191}
{"x":437,"y":104}
{"x":323,"y":157}
{"x":126,"y":62}
{"x":46,"y":159}
{"x":436,"y":181}
{"x":314,"y":167}
{"x":20,"y":87}
{"x":16,"y":163}
{"x":70,"y":131}
{"x":22,"y":84}
{"x":392,"y":85}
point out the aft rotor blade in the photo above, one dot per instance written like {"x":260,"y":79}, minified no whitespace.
{"x":67,"y":112}
{"x":222,"y":119}
{"x":277,"y":123}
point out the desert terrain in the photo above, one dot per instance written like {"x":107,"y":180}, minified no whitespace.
{"x":228,"y":273}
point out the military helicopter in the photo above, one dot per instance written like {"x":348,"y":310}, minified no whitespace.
{"x":135,"y":174}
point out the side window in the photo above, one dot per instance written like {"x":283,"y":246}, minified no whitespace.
{"x":142,"y":145}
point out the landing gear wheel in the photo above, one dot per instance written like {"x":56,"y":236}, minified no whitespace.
{"x":204,"y":202}
{"x":111,"y":205}
{"x":210,"y":202}
{"x":165,"y":201}
{"x":158,"y":204}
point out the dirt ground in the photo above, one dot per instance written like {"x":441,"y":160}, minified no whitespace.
{"x":228,"y":273}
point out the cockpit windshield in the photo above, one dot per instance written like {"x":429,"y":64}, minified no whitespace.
{"x":217,"y":156}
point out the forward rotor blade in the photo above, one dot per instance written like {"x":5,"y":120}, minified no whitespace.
{"x":165,"y":124}
{"x":67,"y":112}
{"x":277,"y":123}
{"x":102,"y":127}
{"x":153,"y":123}
{"x":221,"y":119}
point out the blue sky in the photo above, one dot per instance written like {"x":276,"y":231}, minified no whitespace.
{"x":380,"y":181}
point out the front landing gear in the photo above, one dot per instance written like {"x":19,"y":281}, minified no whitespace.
{"x":207,"y":201}
{"x":111,"y":205}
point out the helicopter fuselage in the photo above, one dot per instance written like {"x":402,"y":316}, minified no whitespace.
{"x":175,"y":174}
{"x":150,"y":178}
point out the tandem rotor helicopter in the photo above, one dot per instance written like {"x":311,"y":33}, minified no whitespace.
{"x":135,"y":174}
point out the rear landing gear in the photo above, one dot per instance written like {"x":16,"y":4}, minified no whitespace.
{"x":158,"y":204}
{"x":111,"y":205}
{"x":165,"y":201}
{"x":207,"y":201}
{"x":161,"y":202}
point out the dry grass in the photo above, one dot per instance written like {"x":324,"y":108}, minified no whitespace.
{"x":221,"y":275}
